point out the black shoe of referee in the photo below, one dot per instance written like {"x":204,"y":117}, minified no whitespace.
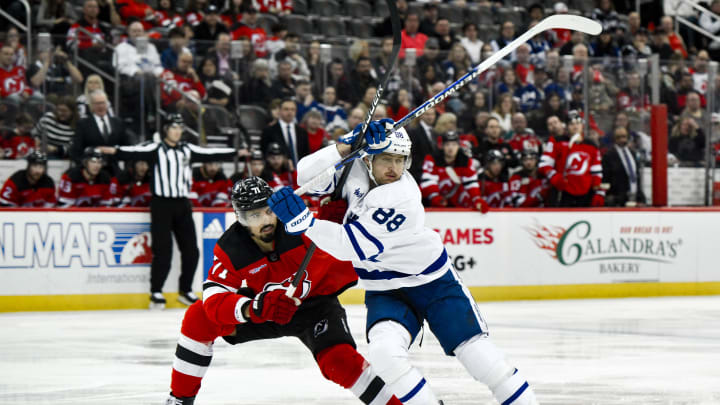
{"x":187,"y":298}
{"x":157,"y":300}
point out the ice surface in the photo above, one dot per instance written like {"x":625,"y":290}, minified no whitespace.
{"x":617,"y":351}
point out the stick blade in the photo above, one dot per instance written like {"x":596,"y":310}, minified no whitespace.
{"x":573,"y":22}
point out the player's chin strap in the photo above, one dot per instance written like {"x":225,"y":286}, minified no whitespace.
{"x":357,"y":146}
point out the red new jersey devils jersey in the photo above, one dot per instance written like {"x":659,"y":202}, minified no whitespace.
{"x":76,"y":191}
{"x":18,"y":146}
{"x":13,"y":82}
{"x":239,"y":262}
{"x":257,"y":36}
{"x":527,"y":190}
{"x":525,"y":141}
{"x":494,"y":191}
{"x":212,"y":192}
{"x":18,"y":192}
{"x":581,"y":165}
{"x":459,"y":190}
{"x":131,"y":192}
{"x":184,"y":83}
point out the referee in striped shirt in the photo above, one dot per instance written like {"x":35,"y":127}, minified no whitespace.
{"x":170,"y":209}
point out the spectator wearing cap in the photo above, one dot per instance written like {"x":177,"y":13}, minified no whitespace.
{"x":429,"y":19}
{"x":138,"y":10}
{"x":471,"y":42}
{"x":292,"y":138}
{"x":209,"y":28}
{"x":250,"y":29}
{"x":505,"y":36}
{"x":99,"y":129}
{"x":411,"y":37}
{"x":561,"y":35}
{"x":178,"y":44}
{"x":620,"y":170}
{"x":30,"y":187}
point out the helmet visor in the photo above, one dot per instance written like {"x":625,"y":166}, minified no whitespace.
{"x":258,"y":217}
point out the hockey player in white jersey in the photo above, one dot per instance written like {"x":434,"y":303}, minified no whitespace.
{"x":403,"y":266}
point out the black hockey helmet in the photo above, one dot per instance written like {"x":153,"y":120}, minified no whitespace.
{"x":91,"y":153}
{"x":256,"y":154}
{"x":494,"y":155}
{"x":37,"y":158}
{"x":249,"y":194}
{"x":450,"y":136}
{"x":274,"y":148}
{"x":529,"y":152}
{"x":173,"y":119}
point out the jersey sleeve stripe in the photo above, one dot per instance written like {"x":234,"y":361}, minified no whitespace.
{"x":369,"y":237}
{"x":438,"y":264}
{"x":354,"y":242}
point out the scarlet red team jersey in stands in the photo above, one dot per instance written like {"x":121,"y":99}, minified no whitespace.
{"x":257,"y":36}
{"x":239,"y":262}
{"x":83,"y":40}
{"x":131,"y":9}
{"x":527,"y":190}
{"x":18,"y":192}
{"x":494,"y":191}
{"x":437,"y":183}
{"x":581,"y":165}
{"x":209,"y":192}
{"x":76,"y":191}
{"x":133,"y":193}
{"x":184,"y":83}
{"x":164,"y":19}
{"x":13,"y":82}
{"x":525,"y":141}
{"x":193,"y":18}
{"x":17,"y":146}
{"x":264,"y":6}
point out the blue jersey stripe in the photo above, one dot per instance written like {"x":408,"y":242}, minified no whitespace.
{"x":389,"y":275}
{"x":414,"y":391}
{"x":367,"y":235}
{"x":515,"y":396}
{"x":354,"y":242}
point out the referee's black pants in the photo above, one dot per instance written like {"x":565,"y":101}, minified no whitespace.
{"x":172,"y":215}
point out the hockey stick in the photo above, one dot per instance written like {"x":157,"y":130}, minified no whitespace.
{"x":357,"y":145}
{"x":566,"y":21}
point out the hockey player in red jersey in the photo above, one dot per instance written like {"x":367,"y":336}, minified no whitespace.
{"x":87,"y":185}
{"x":209,"y":187}
{"x":134,"y":185}
{"x":574,"y":167}
{"x":527,"y":187}
{"x":493,"y":183}
{"x":449,"y":177}
{"x":31,"y":187}
{"x":244,"y":300}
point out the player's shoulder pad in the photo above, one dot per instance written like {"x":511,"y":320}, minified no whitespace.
{"x":46,"y":182}
{"x":18,"y":177}
{"x":401,"y":194}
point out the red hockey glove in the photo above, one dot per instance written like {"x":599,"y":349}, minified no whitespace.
{"x":272,"y":306}
{"x":481,"y":205}
{"x":438,"y":201}
{"x":558,"y":181}
{"x":333,"y":211}
{"x":598,"y":200}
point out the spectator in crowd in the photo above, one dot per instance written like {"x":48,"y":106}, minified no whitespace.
{"x":431,"y":58}
{"x":54,"y":73}
{"x":399,"y":104}
{"x":19,"y":143}
{"x":356,"y":116}
{"x":687,"y":141}
{"x":710,"y":21}
{"x":384,"y":28}
{"x":536,"y":12}
{"x":466,"y":122}
{"x":493,"y":141}
{"x":12,"y":38}
{"x":359,"y":48}
{"x":137,"y":10}
{"x":232,"y":15}
{"x":280,"y":166}
{"x":700,"y":71}
{"x":576,"y":38}
{"x":675,"y":41}
{"x":91,"y":46}
{"x":508,"y":84}
{"x":209,"y":28}
{"x":561,"y":35}
{"x":87,"y":185}
{"x":167,"y":16}
{"x":693,"y":109}
{"x":367,"y":98}
{"x":292,"y":138}
{"x":458,"y":61}
{"x":429,"y":19}
{"x":424,"y":141}
{"x":411,"y":37}
{"x":638,"y":141}
{"x":178,"y":44}
{"x":361,"y":78}
{"x":183,"y":78}
{"x":523,"y":68}
{"x":606,"y":15}
{"x":333,"y":114}
{"x":637,"y":49}
{"x":221,"y":53}
{"x":526,"y":187}
{"x":506,"y":35}
{"x":277,"y":7}
{"x":539,"y":48}
{"x":576,"y":182}
{"x":552,"y":106}
{"x":133,"y":185}
{"x":258,"y":90}
{"x":317,"y":136}
{"x":108,"y":13}
{"x":258,"y":168}
{"x":209,"y":186}
{"x":250,"y":29}
{"x":684,"y":87}
{"x":383,"y":60}
{"x":30,"y":187}
{"x":446,"y":122}
{"x":56,"y":16}
{"x":99,"y":129}
{"x":444,"y":35}
{"x":528,"y":96}
{"x":660,"y":44}
{"x":291,"y":54}
{"x":58,"y":126}
{"x":493,"y":180}
{"x":92,"y":83}
{"x":604,"y":46}
{"x":600,"y":93}
{"x":471,"y":42}
{"x":195,"y":12}
{"x":13,"y":85}
{"x":211,"y":79}
{"x":620,"y":170}
{"x":283,"y":86}
{"x":521,"y":137}
{"x":503,"y":111}
{"x":340,"y":81}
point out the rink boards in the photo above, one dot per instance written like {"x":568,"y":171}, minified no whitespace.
{"x":93,"y":259}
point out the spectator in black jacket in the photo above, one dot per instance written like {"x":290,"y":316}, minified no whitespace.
{"x":620,"y":170}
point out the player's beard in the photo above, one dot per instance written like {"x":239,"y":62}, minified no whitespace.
{"x":267,"y":237}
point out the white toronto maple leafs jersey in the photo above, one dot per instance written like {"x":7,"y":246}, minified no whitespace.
{"x":384,"y":233}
